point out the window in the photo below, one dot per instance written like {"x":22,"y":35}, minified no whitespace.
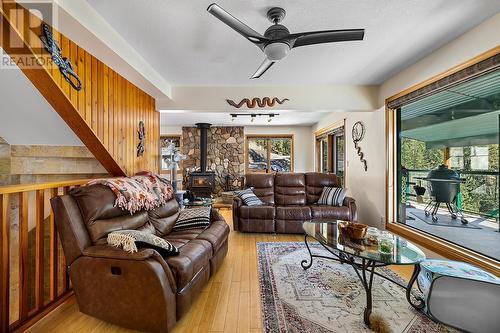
{"x":269,"y":153}
{"x":453,"y":133}
{"x":164,"y":139}
{"x":330,"y":151}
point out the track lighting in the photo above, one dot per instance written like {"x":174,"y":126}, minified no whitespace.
{"x":253,"y":116}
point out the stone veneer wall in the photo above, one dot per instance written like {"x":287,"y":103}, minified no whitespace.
{"x":225,"y":155}
{"x":22,"y":164}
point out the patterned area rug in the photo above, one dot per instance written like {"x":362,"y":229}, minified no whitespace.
{"x":328,"y":297}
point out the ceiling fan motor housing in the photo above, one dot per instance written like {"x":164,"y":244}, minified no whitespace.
{"x":276,"y":32}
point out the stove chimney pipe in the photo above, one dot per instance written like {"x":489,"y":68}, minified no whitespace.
{"x":203,"y":144}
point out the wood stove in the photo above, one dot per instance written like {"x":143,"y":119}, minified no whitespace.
{"x":202,"y":183}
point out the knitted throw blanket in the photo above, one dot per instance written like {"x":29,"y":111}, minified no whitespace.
{"x":140,"y":192}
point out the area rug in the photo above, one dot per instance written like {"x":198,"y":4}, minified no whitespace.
{"x":328,"y":297}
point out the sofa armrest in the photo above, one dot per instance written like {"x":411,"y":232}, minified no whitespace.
{"x":237,"y":203}
{"x":111,"y":252}
{"x":215,"y":215}
{"x":351,"y":203}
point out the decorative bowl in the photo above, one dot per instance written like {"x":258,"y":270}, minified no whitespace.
{"x":355,"y":231}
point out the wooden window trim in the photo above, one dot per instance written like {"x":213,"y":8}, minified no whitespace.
{"x":433,"y":243}
{"x":317,"y":136}
{"x":267,"y":137}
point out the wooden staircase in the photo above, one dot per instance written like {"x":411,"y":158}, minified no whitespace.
{"x":104,"y":114}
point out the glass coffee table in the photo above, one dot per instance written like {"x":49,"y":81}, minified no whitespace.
{"x":364,"y":257}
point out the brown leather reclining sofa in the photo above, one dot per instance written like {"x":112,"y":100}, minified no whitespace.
{"x":143,"y":290}
{"x":290,"y":199}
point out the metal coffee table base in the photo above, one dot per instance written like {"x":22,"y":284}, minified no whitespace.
{"x":365,"y":269}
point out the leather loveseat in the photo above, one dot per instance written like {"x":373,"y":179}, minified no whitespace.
{"x":142,"y":291}
{"x":289,"y":200}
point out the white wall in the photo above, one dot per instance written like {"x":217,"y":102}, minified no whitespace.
{"x":26,"y":118}
{"x":482,"y":38}
{"x":303,"y":154}
{"x":367,"y":187}
{"x":170,"y":130}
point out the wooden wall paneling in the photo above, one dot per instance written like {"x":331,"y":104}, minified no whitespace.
{"x":80,"y":69}
{"x":94,"y":102}
{"x":111,"y":111}
{"x":100,"y":101}
{"x":73,"y":57}
{"x":87,"y":88}
{"x":65,"y":51}
{"x":105,"y":106}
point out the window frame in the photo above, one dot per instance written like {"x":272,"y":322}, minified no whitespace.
{"x":268,"y":138}
{"x":162,"y":139}
{"x":331,"y":133}
{"x":433,"y":243}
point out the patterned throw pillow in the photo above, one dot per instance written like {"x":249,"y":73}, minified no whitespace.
{"x":128,"y":240}
{"x":332,"y":196}
{"x":193,"y":218}
{"x":249,"y":197}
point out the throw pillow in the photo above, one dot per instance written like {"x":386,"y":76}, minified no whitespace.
{"x":193,"y":218}
{"x":249,"y":197}
{"x":333,"y":196}
{"x":128,"y":240}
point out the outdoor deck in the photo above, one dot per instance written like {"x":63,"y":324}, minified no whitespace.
{"x":480,"y":234}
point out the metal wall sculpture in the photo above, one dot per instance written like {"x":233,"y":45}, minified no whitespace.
{"x":142,"y":139}
{"x":256,"y":101}
{"x":65,"y":66}
{"x":358,"y":133}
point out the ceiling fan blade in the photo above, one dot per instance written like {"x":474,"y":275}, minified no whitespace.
{"x":236,"y":24}
{"x":266,"y":64}
{"x":326,"y":36}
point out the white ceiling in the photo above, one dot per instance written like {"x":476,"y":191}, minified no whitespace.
{"x":285,"y":117}
{"x":189,"y":47}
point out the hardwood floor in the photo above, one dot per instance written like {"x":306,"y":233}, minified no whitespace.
{"x":230,"y":302}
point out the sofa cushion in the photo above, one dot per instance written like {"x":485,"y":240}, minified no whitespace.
{"x":97,"y":206}
{"x":193,"y":257}
{"x":163,"y":218}
{"x":193,"y":218}
{"x":263,"y":186}
{"x":315,"y":181}
{"x":216,"y":234}
{"x":249,"y":198}
{"x":290,"y":189}
{"x":257,"y":212}
{"x":302,"y":213}
{"x":320,"y":212}
{"x":332,"y":196}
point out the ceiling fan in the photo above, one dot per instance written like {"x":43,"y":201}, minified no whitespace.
{"x":277,"y":41}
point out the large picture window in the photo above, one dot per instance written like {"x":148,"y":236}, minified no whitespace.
{"x":330,"y":151}
{"x":269,"y":153}
{"x":447,"y":150}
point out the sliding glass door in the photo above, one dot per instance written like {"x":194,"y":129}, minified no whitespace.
{"x":447,"y":164}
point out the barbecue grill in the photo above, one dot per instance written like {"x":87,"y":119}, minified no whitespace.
{"x":444,"y":186}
